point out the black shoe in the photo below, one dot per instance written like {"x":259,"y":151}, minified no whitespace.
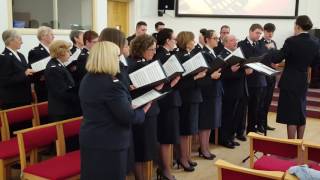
{"x":185,"y":168}
{"x":210,"y":157}
{"x":161,"y":176}
{"x":261,"y":129}
{"x":241,"y":138}
{"x":270,"y":128}
{"x":228,"y":144}
{"x":235,"y":143}
{"x":193,"y":164}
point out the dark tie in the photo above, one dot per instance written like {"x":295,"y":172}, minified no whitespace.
{"x":254,"y":44}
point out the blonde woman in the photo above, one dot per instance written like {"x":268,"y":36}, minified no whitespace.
{"x":108,"y":115}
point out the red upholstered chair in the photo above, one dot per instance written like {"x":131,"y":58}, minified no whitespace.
{"x":278,"y":154}
{"x":42,"y":111}
{"x":9,"y":154}
{"x":228,"y":171}
{"x":17,"y":115}
{"x":63,"y":166}
{"x":312,"y":155}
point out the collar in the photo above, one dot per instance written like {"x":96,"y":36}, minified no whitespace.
{"x":228,"y":50}
{"x":200,"y":45}
{"x":15,"y":53}
{"x":211,"y":50}
{"x":45,"y":47}
{"x":250,"y":41}
{"x":60,"y":62}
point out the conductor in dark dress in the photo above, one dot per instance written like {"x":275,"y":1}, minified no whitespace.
{"x":299,"y":51}
{"x":108,"y":116}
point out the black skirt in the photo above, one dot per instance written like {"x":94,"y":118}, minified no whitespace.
{"x":291,"y":108}
{"x":189,"y":117}
{"x":168,"y":126}
{"x":145,"y":139}
{"x":103,"y":164}
{"x":210,"y":113}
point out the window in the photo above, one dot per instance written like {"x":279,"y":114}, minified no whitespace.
{"x":57,"y":14}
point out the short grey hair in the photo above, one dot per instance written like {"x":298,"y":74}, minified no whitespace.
{"x":74,"y":34}
{"x":43,"y":31}
{"x":9,"y":35}
{"x":227,"y":37}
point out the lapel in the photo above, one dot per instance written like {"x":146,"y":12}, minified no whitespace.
{"x":65,"y":71}
{"x":43,"y":50}
{"x":22,"y":64}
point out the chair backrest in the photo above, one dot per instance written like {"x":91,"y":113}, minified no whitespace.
{"x":32,"y":139}
{"x":287,"y":148}
{"x":228,"y":171}
{"x":42,"y":109}
{"x":312,"y":152}
{"x":17,"y":115}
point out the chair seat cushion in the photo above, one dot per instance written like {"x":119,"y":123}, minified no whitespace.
{"x":60,"y":167}
{"x":273,"y":163}
{"x":9,"y":149}
{"x":314,"y":165}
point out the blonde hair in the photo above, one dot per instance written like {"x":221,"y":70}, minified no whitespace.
{"x":183,"y":38}
{"x":43,"y":31}
{"x":58,"y":48}
{"x":9,"y":35}
{"x":104,"y":58}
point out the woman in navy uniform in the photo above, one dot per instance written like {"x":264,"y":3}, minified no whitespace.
{"x":108,"y":116}
{"x":15,"y":74}
{"x":300,"y":51}
{"x":63,"y":99}
{"x":191,"y":98}
{"x":89,"y":39}
{"x":168,"y":120}
{"x":142,"y":50}
{"x":118,"y":37}
{"x":212,"y":91}
{"x":45,"y":36}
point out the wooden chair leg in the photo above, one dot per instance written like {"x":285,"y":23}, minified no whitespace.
{"x":3,"y":171}
{"x":148,"y":166}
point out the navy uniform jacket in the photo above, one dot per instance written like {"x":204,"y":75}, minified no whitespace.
{"x":107,"y":113}
{"x":173,"y":99}
{"x":130,"y":38}
{"x":188,"y":87}
{"x":15,"y":86}
{"x":63,"y":99}
{"x":219,"y":48}
{"x":133,"y":65}
{"x":234,"y":83}
{"x":81,"y":66}
{"x":197,"y":48}
{"x":210,"y":87}
{"x":256,"y":79}
{"x":36,"y":54}
{"x":300,"y":52}
{"x":123,"y":76}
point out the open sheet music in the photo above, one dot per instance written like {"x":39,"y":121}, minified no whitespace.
{"x":262,"y":68}
{"x":195,"y":64}
{"x":146,"y":98}
{"x":150,"y":74}
{"x":217,"y":63}
{"x":172,"y":67}
{"x":73,"y":57}
{"x":237,"y":57}
{"x":40,"y":65}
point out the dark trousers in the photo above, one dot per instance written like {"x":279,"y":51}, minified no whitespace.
{"x":241,"y":116}
{"x":228,"y":123}
{"x":254,"y":104}
{"x":268,"y":94}
{"x":102,"y":164}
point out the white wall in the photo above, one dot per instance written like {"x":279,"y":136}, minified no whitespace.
{"x":147,"y":10}
{"x":239,"y":27}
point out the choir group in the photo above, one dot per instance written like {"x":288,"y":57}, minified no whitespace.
{"x":92,"y":78}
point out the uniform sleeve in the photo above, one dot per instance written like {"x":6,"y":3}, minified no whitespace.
{"x":8,"y":76}
{"x":121,"y":108}
{"x":57,"y":85}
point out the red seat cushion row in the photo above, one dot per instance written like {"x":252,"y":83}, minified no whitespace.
{"x":57,"y":168}
{"x":43,"y":110}
{"x":273,"y":163}
{"x":314,"y":165}
{"x":72,"y":128}
{"x":9,"y":149}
